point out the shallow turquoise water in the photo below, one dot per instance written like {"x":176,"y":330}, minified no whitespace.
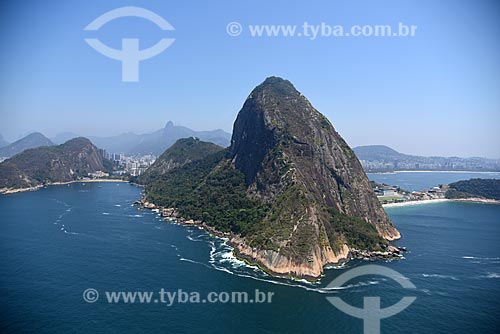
{"x":59,"y":241}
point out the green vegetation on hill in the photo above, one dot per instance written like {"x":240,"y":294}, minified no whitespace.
{"x":276,"y":184}
{"x":356,"y":232}
{"x":213,"y":191}
{"x":184,"y":150}
{"x":485,"y":188}
{"x":209,"y":190}
{"x":67,"y":162}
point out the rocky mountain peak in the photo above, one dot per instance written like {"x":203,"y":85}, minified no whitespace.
{"x":280,"y":140}
{"x":289,"y":188}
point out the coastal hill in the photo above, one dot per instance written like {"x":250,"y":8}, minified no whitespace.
{"x":37,"y":166}
{"x":35,"y":139}
{"x":474,"y":188}
{"x":184,"y":151}
{"x":289,"y":190}
{"x":380,"y":158}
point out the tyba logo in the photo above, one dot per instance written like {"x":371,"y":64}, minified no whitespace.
{"x":130,"y":55}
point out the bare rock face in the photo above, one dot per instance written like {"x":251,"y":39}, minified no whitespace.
{"x":289,"y":193}
{"x":293,"y":159}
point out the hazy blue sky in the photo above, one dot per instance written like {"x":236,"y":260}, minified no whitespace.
{"x":436,"y":93}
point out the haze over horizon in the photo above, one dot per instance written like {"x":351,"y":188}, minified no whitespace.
{"x":433,"y":94}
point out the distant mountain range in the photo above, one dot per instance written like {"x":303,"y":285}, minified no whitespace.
{"x":35,"y":139}
{"x":150,"y":143}
{"x":374,"y":158}
{"x":3,"y":142}
{"x":127,"y":143}
{"x":380,"y":158}
{"x":157,"y":142}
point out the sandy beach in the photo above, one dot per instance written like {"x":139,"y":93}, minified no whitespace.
{"x":435,"y":171}
{"x":441,"y":200}
{"x":13,"y":191}
{"x":426,"y":201}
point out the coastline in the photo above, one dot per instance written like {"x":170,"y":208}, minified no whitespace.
{"x":442,"y":200}
{"x":272,"y":262}
{"x":408,"y":203}
{"x":434,"y":171}
{"x":7,"y":191}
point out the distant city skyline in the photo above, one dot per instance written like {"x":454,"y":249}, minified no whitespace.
{"x":437,"y":93}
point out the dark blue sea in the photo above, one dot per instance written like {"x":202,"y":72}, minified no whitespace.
{"x":62,"y":240}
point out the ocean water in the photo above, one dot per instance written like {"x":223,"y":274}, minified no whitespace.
{"x":61,"y":240}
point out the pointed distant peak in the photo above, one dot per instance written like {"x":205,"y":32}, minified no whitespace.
{"x":169,"y":124}
{"x":36,"y":134}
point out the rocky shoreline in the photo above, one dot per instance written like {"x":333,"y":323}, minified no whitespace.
{"x":272,"y":262}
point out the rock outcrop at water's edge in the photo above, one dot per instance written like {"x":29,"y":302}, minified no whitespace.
{"x":289,"y":190}
{"x":272,"y":262}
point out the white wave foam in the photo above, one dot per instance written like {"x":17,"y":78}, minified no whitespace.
{"x":221,"y":253}
{"x":61,"y":202}
{"x":189,"y":237}
{"x":440,"y":276}
{"x":493,"y":275}
{"x":212,"y":252}
{"x":233,"y":261}
{"x":195,"y":262}
{"x":226,"y":255}
{"x":106,"y":213}
{"x":279,"y":281}
{"x":341,"y":266}
{"x":480,"y":258}
{"x":61,"y":216}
